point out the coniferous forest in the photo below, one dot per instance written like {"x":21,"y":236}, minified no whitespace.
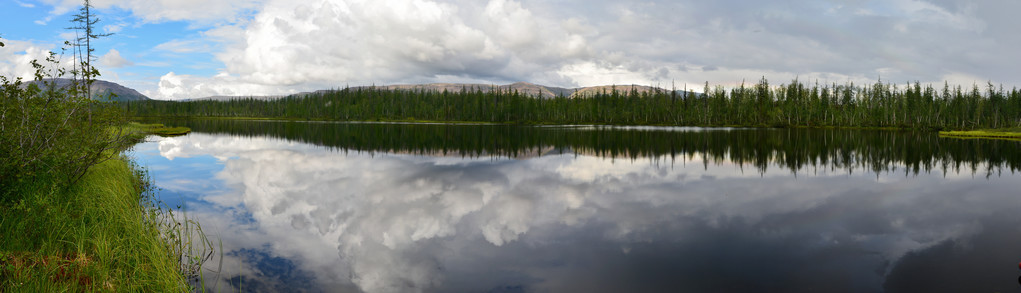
{"x":878,"y":105}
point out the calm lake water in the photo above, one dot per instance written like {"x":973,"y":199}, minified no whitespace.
{"x":340,"y":207}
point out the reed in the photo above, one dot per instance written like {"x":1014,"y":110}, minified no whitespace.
{"x":101,"y":234}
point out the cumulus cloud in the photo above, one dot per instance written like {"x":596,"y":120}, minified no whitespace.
{"x":396,"y":40}
{"x":16,"y":57}
{"x":113,"y":59}
{"x":174,"y":86}
{"x":282,"y":46}
{"x":303,"y":44}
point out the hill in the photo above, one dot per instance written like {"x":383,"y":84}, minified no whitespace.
{"x":622,"y":89}
{"x":525,"y":88}
{"x":532,"y":89}
{"x":228,"y":98}
{"x":101,"y":89}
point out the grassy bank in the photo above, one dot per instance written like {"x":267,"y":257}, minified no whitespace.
{"x":92,"y":236}
{"x":1001,"y":133}
{"x":136,"y":128}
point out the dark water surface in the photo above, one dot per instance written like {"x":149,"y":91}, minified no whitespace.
{"x":484,"y":208}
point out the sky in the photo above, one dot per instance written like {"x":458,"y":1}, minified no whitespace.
{"x":181,"y":49}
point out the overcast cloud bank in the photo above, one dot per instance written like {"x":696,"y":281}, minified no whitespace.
{"x":282,"y":46}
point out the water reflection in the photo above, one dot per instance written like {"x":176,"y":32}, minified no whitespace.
{"x":297,"y":216}
{"x":792,"y":149}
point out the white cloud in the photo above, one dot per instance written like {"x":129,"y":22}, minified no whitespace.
{"x":283,"y":46}
{"x":184,"y":46}
{"x":173,"y":86}
{"x":291,"y":44}
{"x":114,"y":28}
{"x":61,"y":7}
{"x":113,"y":59}
{"x":68,"y":35}
{"x":16,"y":57}
{"x":591,"y":73}
{"x":44,"y":21}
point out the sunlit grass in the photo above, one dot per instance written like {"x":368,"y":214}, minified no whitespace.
{"x":93,"y":236}
{"x":156,"y":129}
{"x":999,"y":133}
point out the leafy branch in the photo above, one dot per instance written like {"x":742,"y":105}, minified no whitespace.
{"x":55,"y":131}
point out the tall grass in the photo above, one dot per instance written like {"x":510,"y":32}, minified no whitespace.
{"x":95,"y":236}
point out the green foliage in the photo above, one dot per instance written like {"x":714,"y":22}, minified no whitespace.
{"x":51,"y":132}
{"x":880,"y":105}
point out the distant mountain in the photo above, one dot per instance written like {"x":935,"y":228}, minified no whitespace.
{"x":622,"y":89}
{"x":228,"y":98}
{"x":525,"y":88}
{"x":101,"y":89}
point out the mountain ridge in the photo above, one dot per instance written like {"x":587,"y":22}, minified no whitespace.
{"x":101,"y":89}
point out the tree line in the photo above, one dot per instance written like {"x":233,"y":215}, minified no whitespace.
{"x":911,"y":106}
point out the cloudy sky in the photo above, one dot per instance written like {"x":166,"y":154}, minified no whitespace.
{"x":176,"y":49}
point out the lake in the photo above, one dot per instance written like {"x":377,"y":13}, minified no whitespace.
{"x":363,"y":207}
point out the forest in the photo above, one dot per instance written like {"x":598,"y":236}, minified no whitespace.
{"x":795,"y":104}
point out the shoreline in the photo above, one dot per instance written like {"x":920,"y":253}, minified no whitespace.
{"x":148,"y":119}
{"x":107,"y":232}
{"x":94,"y":236}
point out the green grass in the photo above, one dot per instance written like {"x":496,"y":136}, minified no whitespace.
{"x":999,"y":133}
{"x":97,"y":235}
{"x":156,"y":129}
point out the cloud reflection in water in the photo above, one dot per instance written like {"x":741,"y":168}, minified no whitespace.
{"x":401,"y":223}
